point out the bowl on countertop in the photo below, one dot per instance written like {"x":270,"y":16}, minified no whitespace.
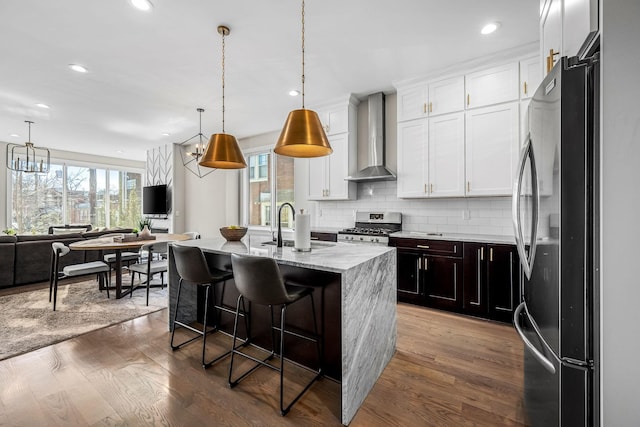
{"x":233,"y":234}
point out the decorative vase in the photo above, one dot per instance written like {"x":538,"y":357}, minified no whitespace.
{"x":145,"y":233}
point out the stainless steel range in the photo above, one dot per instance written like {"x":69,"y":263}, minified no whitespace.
{"x":372,"y":227}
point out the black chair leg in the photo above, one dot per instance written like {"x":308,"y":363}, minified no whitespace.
{"x":283,"y":410}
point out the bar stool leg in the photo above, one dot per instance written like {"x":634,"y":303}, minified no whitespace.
{"x":204,"y":327}
{"x":175,"y":315}
{"x":283,"y":410}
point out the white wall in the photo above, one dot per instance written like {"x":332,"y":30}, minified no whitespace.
{"x":620,"y":226}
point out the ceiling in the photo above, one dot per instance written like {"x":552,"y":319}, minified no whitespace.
{"x":149,"y":71}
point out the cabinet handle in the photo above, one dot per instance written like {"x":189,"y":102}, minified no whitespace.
{"x":314,"y":238}
{"x":424,"y":108}
{"x":422,"y":246}
{"x":550,"y":59}
{"x":468,"y":186}
{"x":425,"y":188}
{"x":430,"y":188}
{"x":420,"y":263}
{"x":491,"y":254}
{"x":482,"y":253}
{"x":426,"y":264}
{"x":525,"y":88}
{"x":468,"y":99}
{"x":431,"y":107}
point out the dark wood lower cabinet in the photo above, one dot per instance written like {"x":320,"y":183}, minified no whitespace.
{"x":503,"y":281}
{"x":443,"y":282}
{"x":410,"y":287}
{"x":479,"y":279}
{"x":474,"y":299}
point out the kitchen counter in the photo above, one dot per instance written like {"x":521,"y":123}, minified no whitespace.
{"x":459,"y":237}
{"x":357,"y":286}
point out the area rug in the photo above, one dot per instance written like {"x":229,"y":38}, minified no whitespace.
{"x":28,"y":321}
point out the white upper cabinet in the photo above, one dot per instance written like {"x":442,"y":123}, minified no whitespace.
{"x":327,"y":174}
{"x":334,"y":119}
{"x":446,"y":155}
{"x":412,"y":102}
{"x":492,"y":148}
{"x":430,"y":99}
{"x":530,"y":76}
{"x":446,"y":96}
{"x":492,"y":86}
{"x":524,"y":120}
{"x":551,"y":34}
{"x":412,"y":174}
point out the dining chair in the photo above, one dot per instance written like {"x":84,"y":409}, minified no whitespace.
{"x":150,"y":266}
{"x":59,"y":250}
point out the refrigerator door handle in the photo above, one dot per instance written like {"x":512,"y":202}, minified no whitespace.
{"x":526,"y":260}
{"x":536,"y":353}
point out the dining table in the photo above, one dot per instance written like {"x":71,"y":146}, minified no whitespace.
{"x":116,"y":244}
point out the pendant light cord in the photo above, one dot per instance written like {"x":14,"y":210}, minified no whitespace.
{"x":303,"y":54}
{"x":223,"y":34}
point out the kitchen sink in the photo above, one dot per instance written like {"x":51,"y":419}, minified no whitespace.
{"x":289,"y":243}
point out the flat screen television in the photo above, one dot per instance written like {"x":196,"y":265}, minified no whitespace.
{"x":154,"y":200}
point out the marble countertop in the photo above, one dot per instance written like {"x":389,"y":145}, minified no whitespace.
{"x":326,"y":256}
{"x":459,"y":237}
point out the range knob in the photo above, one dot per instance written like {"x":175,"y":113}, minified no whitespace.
{"x":362,"y":238}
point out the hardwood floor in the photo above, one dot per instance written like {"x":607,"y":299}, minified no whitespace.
{"x":449,"y":370}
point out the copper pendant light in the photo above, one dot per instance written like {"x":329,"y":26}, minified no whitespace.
{"x":223,"y":151}
{"x":303,"y":134}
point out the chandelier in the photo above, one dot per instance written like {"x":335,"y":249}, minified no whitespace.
{"x":191,"y":153}
{"x":28,"y":157}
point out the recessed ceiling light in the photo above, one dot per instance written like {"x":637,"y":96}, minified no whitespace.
{"x":490,"y":28}
{"x":41,"y":105}
{"x":78,"y":68}
{"x":166,"y":134}
{"x":15,"y":135}
{"x":142,"y":4}
{"x":294,"y":92}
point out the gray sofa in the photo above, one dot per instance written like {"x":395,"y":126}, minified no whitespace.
{"x":26,"y":258}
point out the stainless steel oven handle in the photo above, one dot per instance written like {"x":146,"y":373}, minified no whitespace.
{"x":536,"y":353}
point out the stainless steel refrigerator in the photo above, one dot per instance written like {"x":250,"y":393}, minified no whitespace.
{"x":555,"y":215}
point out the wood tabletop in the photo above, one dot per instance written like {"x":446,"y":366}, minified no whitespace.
{"x":102,"y":243}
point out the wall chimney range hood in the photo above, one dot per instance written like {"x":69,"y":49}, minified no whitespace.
{"x":375,"y":170}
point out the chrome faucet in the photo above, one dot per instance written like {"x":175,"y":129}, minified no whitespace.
{"x":279,"y":242}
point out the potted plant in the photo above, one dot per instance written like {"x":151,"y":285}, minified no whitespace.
{"x":145,"y":221}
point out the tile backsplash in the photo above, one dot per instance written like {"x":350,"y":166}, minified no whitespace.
{"x":484,"y":215}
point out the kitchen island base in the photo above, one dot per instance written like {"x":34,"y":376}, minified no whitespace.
{"x":356,"y":307}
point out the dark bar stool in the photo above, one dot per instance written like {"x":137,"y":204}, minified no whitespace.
{"x":259,"y":280}
{"x":192,"y":268}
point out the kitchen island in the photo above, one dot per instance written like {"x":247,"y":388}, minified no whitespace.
{"x":356,"y":285}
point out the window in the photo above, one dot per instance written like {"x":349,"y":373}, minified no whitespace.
{"x":71,"y":194}
{"x":259,"y":167}
{"x":264,"y":179}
